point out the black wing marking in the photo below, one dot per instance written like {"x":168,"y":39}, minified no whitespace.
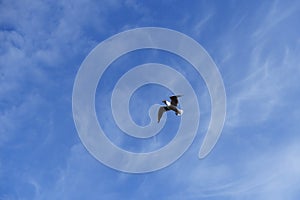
{"x":174,"y":100}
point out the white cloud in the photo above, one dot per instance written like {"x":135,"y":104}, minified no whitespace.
{"x":36,"y":35}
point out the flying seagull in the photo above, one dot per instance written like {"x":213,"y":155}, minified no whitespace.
{"x":170,"y":106}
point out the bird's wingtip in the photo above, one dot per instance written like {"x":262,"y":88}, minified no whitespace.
{"x":177,"y":95}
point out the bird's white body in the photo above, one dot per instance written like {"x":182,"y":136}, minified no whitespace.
{"x":168,"y":103}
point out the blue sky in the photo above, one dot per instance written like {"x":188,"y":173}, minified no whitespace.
{"x":256,"y":46}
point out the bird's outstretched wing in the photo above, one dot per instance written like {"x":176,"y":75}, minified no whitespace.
{"x":160,"y":113}
{"x":174,"y":99}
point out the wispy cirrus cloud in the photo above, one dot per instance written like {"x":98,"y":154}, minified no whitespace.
{"x":275,"y":13}
{"x":43,"y":43}
{"x":269,"y":174}
{"x":260,"y":90}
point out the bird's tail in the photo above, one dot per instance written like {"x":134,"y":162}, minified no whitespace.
{"x":180,"y":112}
